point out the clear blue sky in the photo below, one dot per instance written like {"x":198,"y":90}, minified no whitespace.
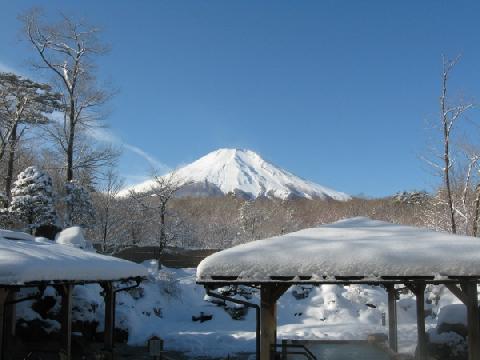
{"x":335,"y":91}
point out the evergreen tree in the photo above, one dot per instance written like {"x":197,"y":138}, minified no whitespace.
{"x":23,"y":103}
{"x":80,"y":210}
{"x":32,"y":199}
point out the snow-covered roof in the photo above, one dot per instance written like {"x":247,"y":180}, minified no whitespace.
{"x":358,"y":248}
{"x":25,"y":259}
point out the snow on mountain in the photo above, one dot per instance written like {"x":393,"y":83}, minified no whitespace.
{"x":244,"y":173}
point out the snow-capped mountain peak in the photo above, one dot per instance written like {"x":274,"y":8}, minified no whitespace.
{"x":245,"y":173}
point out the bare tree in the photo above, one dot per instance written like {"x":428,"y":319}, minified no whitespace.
{"x":157,"y":199}
{"x":468,"y":177}
{"x":23,"y":103}
{"x":450,"y":114}
{"x":476,"y":207}
{"x":67,"y":49}
{"x":106,"y":203}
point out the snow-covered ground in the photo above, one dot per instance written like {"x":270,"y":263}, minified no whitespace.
{"x":164,"y":306}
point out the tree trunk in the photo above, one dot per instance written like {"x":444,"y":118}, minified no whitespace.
{"x":163,"y":236}
{"x":3,"y":146}
{"x":446,"y":151}
{"x":477,"y":211}
{"x":11,"y":159}
{"x":71,"y":138}
{"x":105,"y":229}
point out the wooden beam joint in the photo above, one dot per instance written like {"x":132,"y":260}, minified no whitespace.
{"x":458,"y":291}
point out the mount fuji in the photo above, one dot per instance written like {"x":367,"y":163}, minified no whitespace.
{"x":244,"y":173}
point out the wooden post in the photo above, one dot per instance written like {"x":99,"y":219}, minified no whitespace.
{"x":10,"y":325}
{"x":419,"y":291}
{"x":392,"y":317}
{"x":12,"y":313}
{"x":470,"y":288}
{"x":3,"y":298}
{"x":284,"y":349}
{"x":109,"y":298}
{"x":66,"y":320}
{"x":268,"y":321}
{"x":269,"y":294}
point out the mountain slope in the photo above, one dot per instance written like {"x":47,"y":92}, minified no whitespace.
{"x":245,"y":173}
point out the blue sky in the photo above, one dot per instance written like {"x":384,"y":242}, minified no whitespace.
{"x":339,"y":92}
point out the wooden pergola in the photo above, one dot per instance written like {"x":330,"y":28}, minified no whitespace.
{"x":8,"y":301}
{"x":26,"y":263}
{"x":242,"y":265}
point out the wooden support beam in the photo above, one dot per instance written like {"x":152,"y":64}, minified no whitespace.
{"x":268,"y":321}
{"x":279,"y":290}
{"x":470,"y":290}
{"x":458,"y":292}
{"x":418,"y":288}
{"x":109,"y":329}
{"x":269,"y":295}
{"x":3,"y":298}
{"x":392,"y":317}
{"x":467,"y":293}
{"x":66,"y":319}
{"x":9,"y":325}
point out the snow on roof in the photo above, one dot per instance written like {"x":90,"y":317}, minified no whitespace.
{"x":15,"y":235}
{"x":72,"y":236}
{"x":356,"y":247}
{"x":22,"y":260}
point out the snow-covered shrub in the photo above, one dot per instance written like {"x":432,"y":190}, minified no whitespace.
{"x":236,"y":311}
{"x":168,"y":284}
{"x":448,"y":339}
{"x":453,"y":318}
{"x":73,"y":236}
{"x":301,"y":291}
{"x":32,"y":199}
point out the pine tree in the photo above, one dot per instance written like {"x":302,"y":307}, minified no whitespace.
{"x":23,"y":103}
{"x":32,"y":199}
{"x":80,"y":210}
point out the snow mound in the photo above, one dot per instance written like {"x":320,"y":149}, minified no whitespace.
{"x":245,"y":173}
{"x":453,"y":314}
{"x":24,"y":260}
{"x":72,"y":236}
{"x":353,"y":247}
